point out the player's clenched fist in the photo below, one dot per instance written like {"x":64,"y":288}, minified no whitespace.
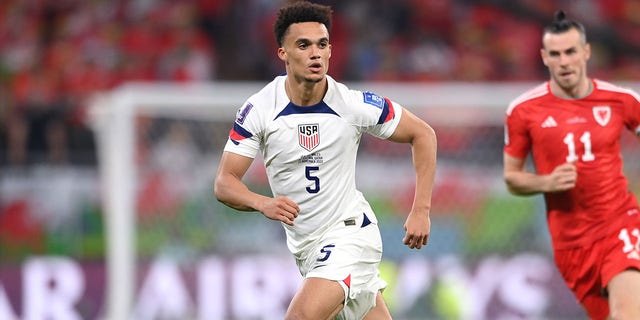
{"x":281,"y":209}
{"x":562,"y":178}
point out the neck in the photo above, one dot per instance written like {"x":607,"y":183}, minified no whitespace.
{"x":583,"y":89}
{"x":305,"y":93}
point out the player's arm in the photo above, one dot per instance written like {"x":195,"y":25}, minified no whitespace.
{"x":230,"y":190}
{"x":422,"y":138}
{"x":523,"y":183}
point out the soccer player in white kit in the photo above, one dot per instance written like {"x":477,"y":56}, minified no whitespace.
{"x":308,"y":128}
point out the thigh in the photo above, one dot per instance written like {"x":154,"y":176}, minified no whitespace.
{"x":624,"y":294}
{"x":380,"y":311}
{"x":580,"y":269}
{"x":317,"y":299}
{"x":596,"y":306}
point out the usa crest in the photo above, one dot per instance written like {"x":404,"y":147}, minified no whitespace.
{"x":602,"y":114}
{"x":309,"y":136}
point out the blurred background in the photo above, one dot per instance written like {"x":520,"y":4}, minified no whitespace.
{"x":489,"y":256}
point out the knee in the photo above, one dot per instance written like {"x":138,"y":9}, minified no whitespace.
{"x":295,"y":315}
{"x":624,"y":311}
{"x":291,"y":316}
{"x":624,"y":296}
{"x":307,"y":314}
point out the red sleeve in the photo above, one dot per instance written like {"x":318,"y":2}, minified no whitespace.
{"x":632,"y":113}
{"x":517,"y":141}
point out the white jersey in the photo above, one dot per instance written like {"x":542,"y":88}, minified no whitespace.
{"x":310,"y":152}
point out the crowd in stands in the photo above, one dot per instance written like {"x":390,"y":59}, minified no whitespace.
{"x":54,"y":54}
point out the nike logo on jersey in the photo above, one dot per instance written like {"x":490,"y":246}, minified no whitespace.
{"x":549,"y":122}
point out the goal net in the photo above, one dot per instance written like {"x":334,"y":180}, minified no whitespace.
{"x":174,"y":252}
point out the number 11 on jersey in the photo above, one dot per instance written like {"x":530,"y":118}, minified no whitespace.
{"x":571,"y":145}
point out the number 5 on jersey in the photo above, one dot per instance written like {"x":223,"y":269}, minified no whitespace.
{"x":309,"y":174}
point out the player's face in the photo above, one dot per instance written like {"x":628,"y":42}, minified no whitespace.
{"x":566,"y":56}
{"x":306,"y":51}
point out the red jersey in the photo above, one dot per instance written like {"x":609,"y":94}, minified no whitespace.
{"x":587,"y":132}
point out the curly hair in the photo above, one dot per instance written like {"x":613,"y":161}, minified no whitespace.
{"x":300,"y":11}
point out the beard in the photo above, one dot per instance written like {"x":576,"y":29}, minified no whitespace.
{"x":575,"y":85}
{"x":569,"y":83}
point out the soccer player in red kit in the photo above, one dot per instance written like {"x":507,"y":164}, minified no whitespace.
{"x":572,"y":124}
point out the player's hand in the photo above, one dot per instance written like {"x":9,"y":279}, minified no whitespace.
{"x":562,"y":178}
{"x":281,"y":209}
{"x":418,"y":228}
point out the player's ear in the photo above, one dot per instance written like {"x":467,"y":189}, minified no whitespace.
{"x":543,"y":55}
{"x":587,"y":51}
{"x":282,"y":54}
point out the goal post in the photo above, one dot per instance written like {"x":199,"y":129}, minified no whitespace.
{"x":113,"y":117}
{"x":130,"y":121}
{"x":112,"y":122}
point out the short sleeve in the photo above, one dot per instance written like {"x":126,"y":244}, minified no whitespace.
{"x":244,"y":135}
{"x":517,"y":141}
{"x":632,"y":112}
{"x":380,"y":116}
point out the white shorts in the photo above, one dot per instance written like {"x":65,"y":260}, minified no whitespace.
{"x":350,"y":254}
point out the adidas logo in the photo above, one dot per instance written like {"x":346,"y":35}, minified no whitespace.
{"x":549,"y":122}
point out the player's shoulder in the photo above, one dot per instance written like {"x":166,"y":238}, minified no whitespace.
{"x":263,"y":101}
{"x":616,"y":89}
{"x":270,"y":90}
{"x":340,"y":90}
{"x":261,"y":104}
{"x":529,"y":96}
{"x":354,"y":97}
